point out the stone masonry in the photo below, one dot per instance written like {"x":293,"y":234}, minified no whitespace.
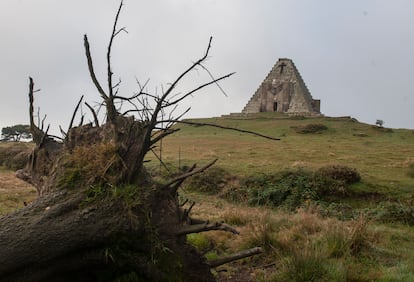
{"x":283,"y":91}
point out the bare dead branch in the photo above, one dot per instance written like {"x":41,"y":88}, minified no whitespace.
{"x":36,"y":132}
{"x":162,"y":102}
{"x":108,"y":54}
{"x":160,"y":160}
{"x":64,"y":134}
{"x":120,"y":30}
{"x":212,"y":77}
{"x":236,"y":256}
{"x":222,"y":127}
{"x":173,"y":188}
{"x":133,"y":111}
{"x":44,"y":137}
{"x":81,"y":120}
{"x":43,"y":122}
{"x":55,"y":137}
{"x":190,"y":173}
{"x":183,"y":203}
{"x":203,"y":227}
{"x":91,"y":70}
{"x":164,"y":133}
{"x":117,"y":85}
{"x":141,"y":87}
{"x":74,"y":113}
{"x":186,"y":212}
{"x":38,"y":118}
{"x":181,"y":76}
{"x":95,"y":116}
{"x":199,"y":88}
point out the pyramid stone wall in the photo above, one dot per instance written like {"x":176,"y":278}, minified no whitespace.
{"x":283,"y":90}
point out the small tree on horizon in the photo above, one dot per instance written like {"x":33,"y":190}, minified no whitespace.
{"x":379,"y":122}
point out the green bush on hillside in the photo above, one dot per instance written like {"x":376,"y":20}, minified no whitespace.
{"x":294,"y":188}
{"x":340,"y":172}
{"x":288,"y":188}
{"x":394,"y":212}
{"x":311,"y":128}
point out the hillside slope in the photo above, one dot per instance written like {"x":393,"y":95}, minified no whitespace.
{"x":382,"y":156}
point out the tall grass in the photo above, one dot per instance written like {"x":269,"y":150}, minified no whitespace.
{"x":308,"y":247}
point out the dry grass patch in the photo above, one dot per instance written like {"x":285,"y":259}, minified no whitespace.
{"x":299,"y":246}
{"x":308,"y":247}
{"x":14,"y":192}
{"x":14,"y":155}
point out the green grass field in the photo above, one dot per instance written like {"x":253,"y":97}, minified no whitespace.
{"x":364,"y":235}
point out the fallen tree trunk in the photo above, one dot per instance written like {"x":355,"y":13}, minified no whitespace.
{"x":87,"y":223}
{"x":66,"y":237}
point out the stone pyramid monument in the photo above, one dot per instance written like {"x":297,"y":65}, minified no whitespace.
{"x":283,"y":91}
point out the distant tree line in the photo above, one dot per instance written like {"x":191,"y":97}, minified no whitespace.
{"x":16,"y":132}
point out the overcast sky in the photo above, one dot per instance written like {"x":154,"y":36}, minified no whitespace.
{"x":356,"y":56}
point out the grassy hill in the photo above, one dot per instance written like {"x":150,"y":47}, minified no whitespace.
{"x":364,"y":233}
{"x":382,"y":156}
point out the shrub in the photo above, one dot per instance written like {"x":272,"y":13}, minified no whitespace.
{"x":288,"y":188}
{"x":235,"y":193}
{"x":19,"y":160}
{"x":328,"y":186}
{"x":211,"y":181}
{"x":292,"y":188}
{"x":401,"y":211}
{"x":15,"y":156}
{"x":311,"y":128}
{"x":342,"y":173}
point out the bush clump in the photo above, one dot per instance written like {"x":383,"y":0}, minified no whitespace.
{"x":311,"y":128}
{"x":211,"y":181}
{"x":294,"y":188}
{"x":342,"y":173}
{"x":288,"y":188}
{"x":15,"y":156}
{"x":394,"y":212}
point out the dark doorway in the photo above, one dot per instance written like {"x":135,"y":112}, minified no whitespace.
{"x":275,"y":106}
